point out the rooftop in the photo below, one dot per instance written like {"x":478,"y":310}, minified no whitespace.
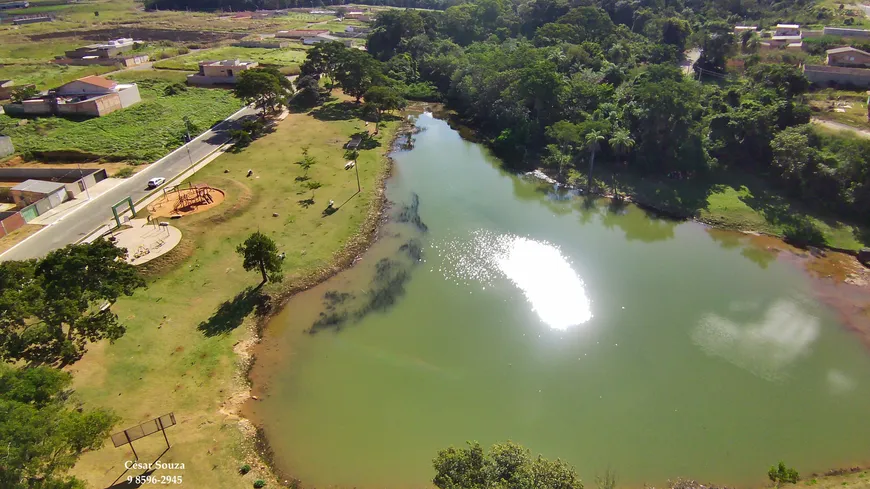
{"x":38,"y":186}
{"x":847,"y":49}
{"x":227,"y":62}
{"x":98,"y":81}
{"x":788,"y":26}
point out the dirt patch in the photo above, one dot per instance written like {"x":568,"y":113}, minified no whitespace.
{"x":17,"y":236}
{"x":111,"y":167}
{"x":142,"y":33}
{"x":186,"y":201}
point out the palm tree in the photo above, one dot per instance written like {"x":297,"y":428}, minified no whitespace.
{"x":621,"y":143}
{"x":593,"y":142}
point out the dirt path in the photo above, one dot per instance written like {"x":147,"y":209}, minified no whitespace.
{"x":838,"y":126}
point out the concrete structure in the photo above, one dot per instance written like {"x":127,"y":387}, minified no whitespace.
{"x":91,"y":96}
{"x":75,"y":180}
{"x":14,"y":5}
{"x":848,"y":57}
{"x":6,"y":89}
{"x":837,"y":75}
{"x":6,"y":147}
{"x":325,"y":38}
{"x":846,"y":32}
{"x":31,"y":19}
{"x":365,"y":30}
{"x":33,"y":191}
{"x":740,"y":28}
{"x":10,"y":221}
{"x":357,"y":15}
{"x":300,"y":33}
{"x":786,"y":36}
{"x":263,"y":43}
{"x":220,"y":72}
{"x":108,"y":53}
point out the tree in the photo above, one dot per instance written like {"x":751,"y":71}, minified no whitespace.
{"x":325,"y":58}
{"x":383,"y":99}
{"x":592,"y":141}
{"x":260,"y":253}
{"x":53,"y":307}
{"x":266,"y":88}
{"x":506,"y":466}
{"x":359,"y":72}
{"x":42,"y":435}
{"x":21,"y":94}
{"x":621,"y":142}
{"x":780,"y":473}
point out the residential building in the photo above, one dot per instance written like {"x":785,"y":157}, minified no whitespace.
{"x":32,"y":191}
{"x":14,"y":5}
{"x":31,"y":19}
{"x":357,"y":29}
{"x":75,"y":180}
{"x":108,"y":53}
{"x":846,"y":32}
{"x":6,"y":87}
{"x":325,"y":38}
{"x":848,"y":57}
{"x":786,"y":36}
{"x":301,"y":33}
{"x":91,"y":96}
{"x":222,"y":72}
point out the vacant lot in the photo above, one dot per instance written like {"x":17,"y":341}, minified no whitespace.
{"x":289,"y":58}
{"x":177,"y":354}
{"x":845,"y":106}
{"x":141,"y":133}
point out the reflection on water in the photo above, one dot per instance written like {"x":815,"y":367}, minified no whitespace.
{"x":553,"y":289}
{"x":765,"y":348}
{"x":839,"y":382}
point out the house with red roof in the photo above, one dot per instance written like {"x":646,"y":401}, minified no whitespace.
{"x":90,"y":96}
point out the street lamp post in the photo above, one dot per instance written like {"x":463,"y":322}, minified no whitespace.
{"x":84,"y":184}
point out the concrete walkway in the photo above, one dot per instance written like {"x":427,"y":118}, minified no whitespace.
{"x":145,"y":241}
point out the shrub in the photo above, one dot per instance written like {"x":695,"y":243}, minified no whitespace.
{"x":780,"y":473}
{"x":244,"y":469}
{"x":422,"y":91}
{"x":125,"y":172}
{"x":259,"y":483}
{"x":174,"y":89}
{"x":804,"y":233}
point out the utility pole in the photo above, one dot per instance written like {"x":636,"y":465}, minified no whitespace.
{"x":84,"y":184}
{"x":187,"y":143}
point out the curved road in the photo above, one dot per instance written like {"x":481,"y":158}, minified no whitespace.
{"x":89,"y":216}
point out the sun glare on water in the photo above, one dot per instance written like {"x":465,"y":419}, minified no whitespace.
{"x":553,"y":289}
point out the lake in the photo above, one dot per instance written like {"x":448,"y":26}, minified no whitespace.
{"x":495,"y":308}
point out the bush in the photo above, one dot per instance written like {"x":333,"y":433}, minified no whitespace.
{"x":125,"y":172}
{"x":780,"y":473}
{"x":259,"y":483}
{"x":804,"y":233}
{"x":422,"y":91}
{"x":174,"y":89}
{"x":244,"y":469}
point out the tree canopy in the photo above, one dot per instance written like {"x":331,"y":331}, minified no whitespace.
{"x":506,"y":465}
{"x":52,"y":307}
{"x":261,"y":253}
{"x":266,"y":88}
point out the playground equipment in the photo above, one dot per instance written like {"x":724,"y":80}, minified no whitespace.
{"x":193,"y":196}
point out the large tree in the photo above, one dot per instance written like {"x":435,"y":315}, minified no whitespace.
{"x":41,"y":434}
{"x":383,"y":99}
{"x":359,"y":72}
{"x":506,"y":466}
{"x":261,"y":253}
{"x":266,"y":88}
{"x":53,"y":307}
{"x":325,"y":58}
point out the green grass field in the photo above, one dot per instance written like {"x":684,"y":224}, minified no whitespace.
{"x":141,"y":133}
{"x":852,"y":105}
{"x":177,"y":354}
{"x":47,"y":75}
{"x":280,"y":58}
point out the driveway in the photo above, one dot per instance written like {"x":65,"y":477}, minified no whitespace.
{"x":89,"y":216}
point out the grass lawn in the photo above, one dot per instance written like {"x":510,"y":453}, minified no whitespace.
{"x":280,"y":58}
{"x":48,"y":75}
{"x":739,"y":201}
{"x":141,"y":133}
{"x":177,"y":354}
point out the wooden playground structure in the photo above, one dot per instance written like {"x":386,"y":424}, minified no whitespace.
{"x":183,"y":200}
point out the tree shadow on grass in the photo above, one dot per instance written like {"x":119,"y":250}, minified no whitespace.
{"x":232,"y":313}
{"x":342,"y":111}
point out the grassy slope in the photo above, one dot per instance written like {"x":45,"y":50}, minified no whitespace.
{"x":143,"y":132}
{"x":277,"y":57}
{"x":164,"y":363}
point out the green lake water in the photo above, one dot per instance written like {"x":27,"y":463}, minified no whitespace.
{"x":599,"y":335}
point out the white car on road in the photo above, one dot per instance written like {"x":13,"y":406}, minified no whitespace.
{"x":155,"y":182}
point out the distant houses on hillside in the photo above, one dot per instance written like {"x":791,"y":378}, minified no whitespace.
{"x":114,"y":52}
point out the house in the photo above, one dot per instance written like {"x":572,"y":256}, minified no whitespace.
{"x":108,"y":53}
{"x":32,"y":191}
{"x":786,"y":36}
{"x":848,"y":57}
{"x":355,"y":29}
{"x":738,"y":29}
{"x":91,"y":96}
{"x":846,"y":32}
{"x":219,"y":72}
{"x":837,"y":75}
{"x":787,"y":30}
{"x":301,"y":33}
{"x":75,"y":180}
{"x":14,"y":5}
{"x":6,"y":89}
{"x":325,"y":38}
{"x":31,"y":19}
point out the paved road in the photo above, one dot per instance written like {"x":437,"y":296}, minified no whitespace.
{"x":93,"y":214}
{"x":839,"y":126}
